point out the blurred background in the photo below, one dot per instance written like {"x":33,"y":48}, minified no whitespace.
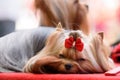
{"x":103,"y":15}
{"x":16,"y":15}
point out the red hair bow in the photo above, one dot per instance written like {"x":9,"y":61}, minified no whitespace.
{"x":69,"y":43}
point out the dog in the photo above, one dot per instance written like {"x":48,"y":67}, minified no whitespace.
{"x":71,"y":52}
{"x":71,"y":13}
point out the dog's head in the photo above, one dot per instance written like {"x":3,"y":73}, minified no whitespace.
{"x":72,"y":52}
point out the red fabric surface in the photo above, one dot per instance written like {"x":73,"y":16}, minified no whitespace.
{"x":28,"y":76}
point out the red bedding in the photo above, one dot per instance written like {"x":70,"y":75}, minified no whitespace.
{"x":26,"y":76}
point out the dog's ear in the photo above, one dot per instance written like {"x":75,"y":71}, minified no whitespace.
{"x":101,"y":34}
{"x":59,"y":27}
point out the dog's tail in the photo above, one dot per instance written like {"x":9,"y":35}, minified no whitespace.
{"x":70,"y":13}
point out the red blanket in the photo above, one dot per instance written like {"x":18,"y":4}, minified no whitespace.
{"x":26,"y":76}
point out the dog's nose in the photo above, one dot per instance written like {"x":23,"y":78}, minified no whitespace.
{"x":68,"y":66}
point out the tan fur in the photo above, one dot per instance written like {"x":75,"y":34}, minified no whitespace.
{"x":70,"y":13}
{"x":54,"y":57}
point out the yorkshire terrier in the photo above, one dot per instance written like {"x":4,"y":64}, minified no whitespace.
{"x":71,"y":52}
{"x":71,"y":13}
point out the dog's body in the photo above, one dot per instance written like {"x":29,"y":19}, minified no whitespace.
{"x":92,"y":56}
{"x":27,"y":49}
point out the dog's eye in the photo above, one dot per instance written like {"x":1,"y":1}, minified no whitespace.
{"x":81,"y":59}
{"x":61,"y":56}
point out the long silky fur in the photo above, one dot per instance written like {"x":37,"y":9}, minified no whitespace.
{"x":98,"y":54}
